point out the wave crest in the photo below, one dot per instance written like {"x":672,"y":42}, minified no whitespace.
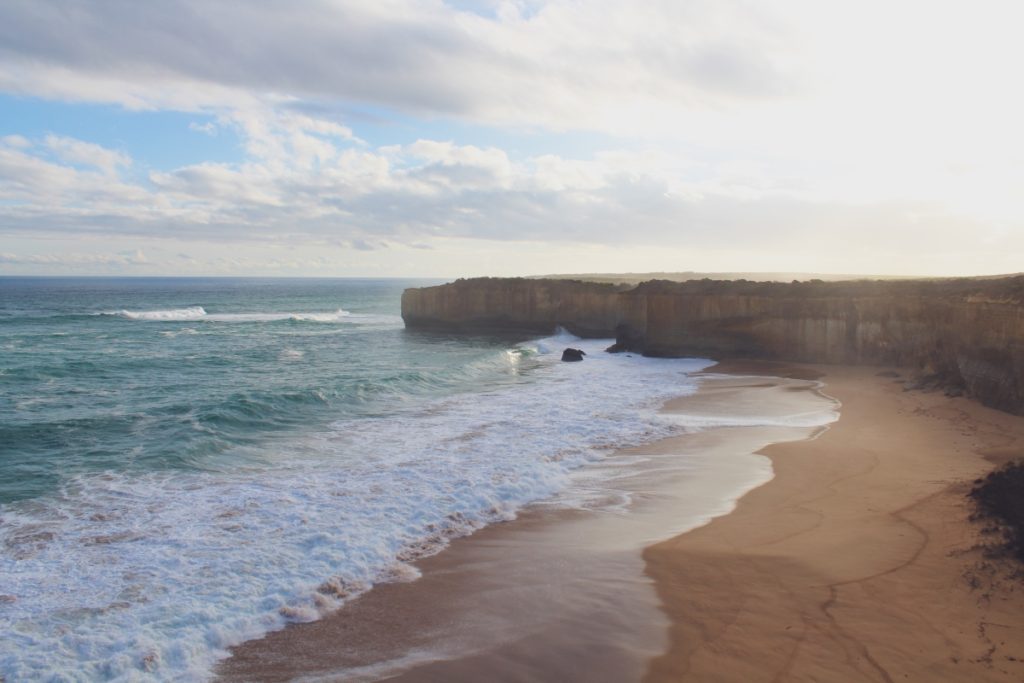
{"x":190,"y":313}
{"x":198,"y":313}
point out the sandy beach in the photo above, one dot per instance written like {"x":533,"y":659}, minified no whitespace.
{"x":855,"y":562}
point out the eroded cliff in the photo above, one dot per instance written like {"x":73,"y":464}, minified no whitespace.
{"x":586,"y":309}
{"x":966,"y":333}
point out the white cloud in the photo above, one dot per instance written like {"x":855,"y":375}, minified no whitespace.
{"x":208,"y":128}
{"x":15,"y":141}
{"x":350,"y":194}
{"x":550,"y":66}
{"x":32,"y":184}
{"x":83,"y":153}
{"x":802,"y":127}
{"x":72,"y":259}
{"x":796,"y":77}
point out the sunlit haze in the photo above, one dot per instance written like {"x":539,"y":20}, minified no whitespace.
{"x":430,"y":138}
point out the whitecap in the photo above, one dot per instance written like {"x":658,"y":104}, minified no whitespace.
{"x":198,"y":313}
{"x":190,"y":313}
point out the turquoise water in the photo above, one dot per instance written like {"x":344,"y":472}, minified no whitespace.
{"x":189,"y":463}
{"x":130,"y":374}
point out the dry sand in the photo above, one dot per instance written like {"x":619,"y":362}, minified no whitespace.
{"x":857,"y":561}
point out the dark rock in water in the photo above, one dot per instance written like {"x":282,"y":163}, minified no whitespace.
{"x":626,"y":339}
{"x":572,"y":355}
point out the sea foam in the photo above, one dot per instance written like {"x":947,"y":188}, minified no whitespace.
{"x":155,"y":575}
{"x":199,"y":314}
{"x":190,"y":313}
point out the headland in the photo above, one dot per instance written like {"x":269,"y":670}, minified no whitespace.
{"x":965,"y":335}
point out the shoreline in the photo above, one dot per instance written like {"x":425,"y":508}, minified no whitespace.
{"x":856,"y":562}
{"x":560,"y":592}
{"x":853,"y":560}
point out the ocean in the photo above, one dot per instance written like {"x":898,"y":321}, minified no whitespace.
{"x":186,"y":464}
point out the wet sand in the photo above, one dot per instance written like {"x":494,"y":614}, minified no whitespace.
{"x":560,"y":594}
{"x":857,"y":562}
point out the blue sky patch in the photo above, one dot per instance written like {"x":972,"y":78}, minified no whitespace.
{"x":156,"y":140}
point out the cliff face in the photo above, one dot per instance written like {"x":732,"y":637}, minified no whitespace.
{"x":967,"y":334}
{"x":515,"y":305}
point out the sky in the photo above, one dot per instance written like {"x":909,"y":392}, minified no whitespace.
{"x":446,"y":139}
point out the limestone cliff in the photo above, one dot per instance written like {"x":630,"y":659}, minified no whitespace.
{"x":586,"y":309}
{"x":966,"y":333}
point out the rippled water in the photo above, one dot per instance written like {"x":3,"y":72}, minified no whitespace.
{"x":189,"y":463}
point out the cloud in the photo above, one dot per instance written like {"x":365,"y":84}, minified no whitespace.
{"x":562,"y":64}
{"x":728,"y":124}
{"x":79,"y":152}
{"x":363,"y":245}
{"x":15,"y":141}
{"x":31,"y":182}
{"x":208,"y":128}
{"x":445,"y":164}
{"x":133,"y":258}
{"x":346,"y":193}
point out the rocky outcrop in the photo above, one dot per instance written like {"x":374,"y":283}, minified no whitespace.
{"x":967,"y":332}
{"x":573,"y":355}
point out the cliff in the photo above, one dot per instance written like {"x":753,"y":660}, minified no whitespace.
{"x":967,"y":334}
{"x":587,"y":309}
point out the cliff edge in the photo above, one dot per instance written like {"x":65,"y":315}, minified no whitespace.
{"x":966,"y":334}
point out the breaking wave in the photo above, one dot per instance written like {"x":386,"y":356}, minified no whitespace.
{"x":199,"y":314}
{"x":122,"y":575}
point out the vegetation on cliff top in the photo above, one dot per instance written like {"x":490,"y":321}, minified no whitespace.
{"x":561,"y":284}
{"x":1008,"y":289}
{"x":1003,"y":290}
{"x":684,"y":276}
